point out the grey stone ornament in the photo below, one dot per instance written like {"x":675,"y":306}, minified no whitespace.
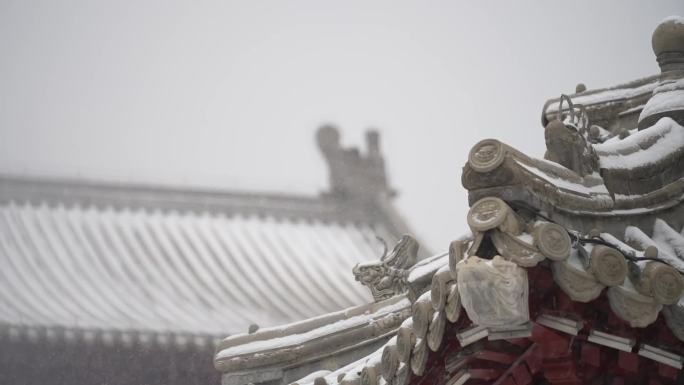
{"x":553,"y":241}
{"x":486,"y":155}
{"x":389,"y":276}
{"x":487,"y":213}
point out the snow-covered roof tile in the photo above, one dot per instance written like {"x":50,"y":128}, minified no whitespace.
{"x":154,"y":260}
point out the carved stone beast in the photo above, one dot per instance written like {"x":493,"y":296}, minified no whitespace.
{"x":389,"y":276}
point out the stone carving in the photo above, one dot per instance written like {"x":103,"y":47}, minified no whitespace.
{"x":438,"y":289}
{"x":486,"y":214}
{"x":567,"y":147}
{"x":577,"y":283}
{"x":453,"y":304}
{"x":553,"y":241}
{"x":389,"y":276}
{"x":421,"y":313}
{"x":370,"y":375}
{"x":658,"y":280}
{"x":638,"y":310}
{"x":457,"y":250}
{"x":475,"y":245}
{"x":567,"y":144}
{"x":608,"y":265}
{"x":489,"y":213}
{"x":500,"y":176}
{"x":493,"y":292}
{"x":406,"y":340}
{"x":666,"y":285}
{"x":419,"y":357}
{"x":514,"y":249}
{"x":389,"y":362}
{"x":486,"y":155}
{"x":435,"y":332}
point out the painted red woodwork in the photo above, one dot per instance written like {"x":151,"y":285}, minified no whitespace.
{"x":484,"y":374}
{"x":552,"y":344}
{"x":591,"y":354}
{"x":628,"y":362}
{"x":522,"y":375}
{"x":556,"y":357}
{"x":667,"y":371}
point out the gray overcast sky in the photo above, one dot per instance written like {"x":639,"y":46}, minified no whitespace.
{"x":229,"y":94}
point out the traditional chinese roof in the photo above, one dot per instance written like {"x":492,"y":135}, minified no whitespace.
{"x":615,"y":107}
{"x":572,"y":271}
{"x":186,"y":265}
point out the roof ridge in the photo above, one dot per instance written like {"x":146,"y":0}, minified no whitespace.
{"x":75,"y":192}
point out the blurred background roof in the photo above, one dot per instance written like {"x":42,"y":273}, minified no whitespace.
{"x":228,"y":94}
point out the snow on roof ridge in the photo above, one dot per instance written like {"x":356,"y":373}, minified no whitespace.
{"x":676,"y":18}
{"x":566,"y":184}
{"x":669,"y":242}
{"x":665,"y":137}
{"x":428,"y":266}
{"x":635,"y":88}
{"x":289,"y":335}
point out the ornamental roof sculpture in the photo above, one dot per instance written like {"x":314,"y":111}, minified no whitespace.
{"x":389,"y":277}
{"x":111,"y":266}
{"x":571,"y":274}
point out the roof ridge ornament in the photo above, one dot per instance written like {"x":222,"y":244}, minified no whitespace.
{"x":353,"y":174}
{"x":389,"y":276}
{"x":668,"y":97}
{"x":568,"y":139}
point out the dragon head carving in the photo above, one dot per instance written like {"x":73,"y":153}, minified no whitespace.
{"x":389,"y":276}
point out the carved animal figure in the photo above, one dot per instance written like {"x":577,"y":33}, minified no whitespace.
{"x":389,"y":276}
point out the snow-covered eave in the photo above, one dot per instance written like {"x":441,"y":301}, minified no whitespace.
{"x":653,"y":150}
{"x":597,"y":98}
{"x":551,"y":183}
{"x":648,"y":148}
{"x":313,"y":338}
{"x":587,"y":199}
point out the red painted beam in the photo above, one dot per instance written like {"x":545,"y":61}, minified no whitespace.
{"x":561,"y":371}
{"x":667,"y":371}
{"x":520,"y":362}
{"x":484,"y":374}
{"x":552,"y":344}
{"x":591,"y":354}
{"x":628,"y":362}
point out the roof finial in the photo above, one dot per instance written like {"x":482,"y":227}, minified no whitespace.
{"x":668,"y":46}
{"x":354,"y":174}
{"x":668,"y":43}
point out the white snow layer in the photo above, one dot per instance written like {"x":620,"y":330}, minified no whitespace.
{"x":565,"y":184}
{"x":301,"y":338}
{"x":666,"y":136}
{"x":165,"y":271}
{"x":677,"y":19}
{"x":670,"y":244}
{"x":608,"y":95}
{"x":428,"y":266}
{"x":668,"y":96}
